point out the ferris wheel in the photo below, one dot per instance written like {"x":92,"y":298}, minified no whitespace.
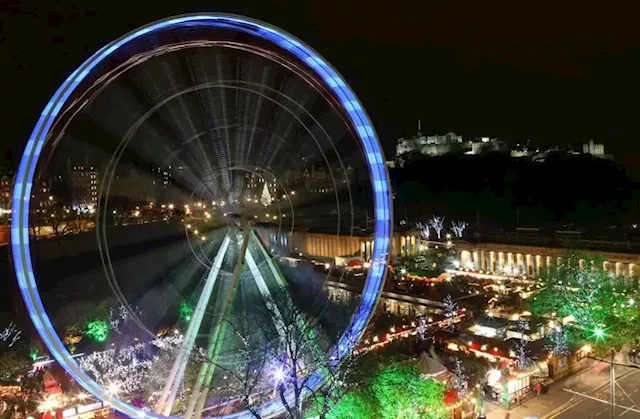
{"x":177,"y":167}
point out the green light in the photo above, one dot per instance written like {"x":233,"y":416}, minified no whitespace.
{"x":98,"y":330}
{"x":599,"y":333}
{"x":185,"y":311}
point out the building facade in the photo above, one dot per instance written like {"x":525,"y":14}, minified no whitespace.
{"x":487,"y":257}
{"x":6,"y":186}
{"x":83,"y":181}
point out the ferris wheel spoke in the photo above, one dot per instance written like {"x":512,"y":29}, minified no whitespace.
{"x":201,"y":389}
{"x":165,"y":404}
{"x":259,"y":279}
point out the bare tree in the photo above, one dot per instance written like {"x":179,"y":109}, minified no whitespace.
{"x":437,"y":223}
{"x":10,"y":334}
{"x":37,"y":221}
{"x":59,"y":223}
{"x":246,"y":377}
{"x":450,"y":313}
{"x":302,"y":358}
{"x":458,"y":227}
{"x":285,"y":353}
{"x":425,"y":232}
{"x":12,"y":351}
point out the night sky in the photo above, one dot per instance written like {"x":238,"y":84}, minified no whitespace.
{"x":557,"y":72}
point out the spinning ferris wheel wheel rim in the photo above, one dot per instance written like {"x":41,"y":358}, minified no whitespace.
{"x":352,"y":108}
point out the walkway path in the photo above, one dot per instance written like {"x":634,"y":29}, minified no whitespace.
{"x":557,"y":401}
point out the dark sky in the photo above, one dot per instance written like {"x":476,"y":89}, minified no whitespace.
{"x":556,"y":72}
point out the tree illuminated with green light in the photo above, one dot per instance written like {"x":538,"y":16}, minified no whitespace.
{"x":604,"y":306}
{"x":394,"y":390}
{"x":97,"y":330}
{"x":185,"y":311}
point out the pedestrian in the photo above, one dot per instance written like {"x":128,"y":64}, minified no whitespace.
{"x":538,"y":389}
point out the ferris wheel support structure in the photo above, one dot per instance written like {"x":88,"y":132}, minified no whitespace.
{"x":215,"y":344}
{"x":205,"y":376}
{"x":179,"y":365}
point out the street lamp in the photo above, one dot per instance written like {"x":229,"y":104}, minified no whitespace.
{"x":113,"y":389}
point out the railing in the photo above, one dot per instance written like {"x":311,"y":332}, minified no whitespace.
{"x":404,"y":298}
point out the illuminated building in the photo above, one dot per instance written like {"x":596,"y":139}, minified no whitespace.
{"x":440,"y":145}
{"x":84,"y":186}
{"x":6,"y":183}
{"x":593,"y":148}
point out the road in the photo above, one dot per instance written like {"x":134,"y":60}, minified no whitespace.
{"x":560,"y":404}
{"x":627,"y":394}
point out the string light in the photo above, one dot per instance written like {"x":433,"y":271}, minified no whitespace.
{"x":126,"y":370}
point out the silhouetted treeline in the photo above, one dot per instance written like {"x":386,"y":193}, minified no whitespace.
{"x":501,"y":191}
